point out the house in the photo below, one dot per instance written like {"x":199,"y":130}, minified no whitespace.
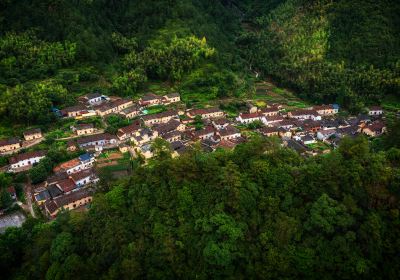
{"x":311,"y":125}
{"x":125,"y":133}
{"x":26,"y":160}
{"x":162,"y":117}
{"x":284,"y":133}
{"x":325,"y":134}
{"x":92,"y":98}
{"x":207,"y":113}
{"x":74,"y":111}
{"x":375,"y":111}
{"x":220,"y":123}
{"x":71,"y":146}
{"x":67,"y":202}
{"x":33,"y":134}
{"x":131,"y":112}
{"x":304,"y":115}
{"x":98,"y":141}
{"x":171,"y":98}
{"x":145,"y":151}
{"x":145,"y":135}
{"x":178,"y":148}
{"x":269,"y":111}
{"x":308,"y":139}
{"x":228,"y":133}
{"x":83,"y":129}
{"x":204,"y":133}
{"x":66,"y":185}
{"x":10,"y":144}
{"x":273,"y":119}
{"x":150,"y":99}
{"x":84,"y":177}
{"x":41,"y":195}
{"x":374,"y":129}
{"x":172,"y":136}
{"x":83,"y":162}
{"x":297,"y":146}
{"x":325,"y":110}
{"x":113,"y":107}
{"x":251,"y":108}
{"x":172,"y":125}
{"x":269,"y":131}
{"x":327,"y":124}
{"x":249,"y":118}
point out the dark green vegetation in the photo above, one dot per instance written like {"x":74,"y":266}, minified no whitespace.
{"x":242,"y":214}
{"x":343,"y":51}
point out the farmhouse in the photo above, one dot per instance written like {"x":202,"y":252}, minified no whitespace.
{"x":131,"y":112}
{"x":92,"y":98}
{"x":83,"y":129}
{"x":66,"y":185}
{"x":171,"y":98}
{"x":269,"y":111}
{"x":304,"y":115}
{"x":208,"y":113}
{"x":269,"y":131}
{"x":74,"y":111}
{"x":67,"y":202}
{"x":33,"y":134}
{"x":10,"y":144}
{"x":83,"y":162}
{"x":325,"y":110}
{"x":150,"y":99}
{"x":325,"y":134}
{"x":205,"y":133}
{"x":113,"y":107}
{"x":172,"y":136}
{"x":146,"y":135}
{"x":228,"y":133}
{"x":125,"y":133}
{"x":25,"y":161}
{"x":162,"y":117}
{"x":220,"y":123}
{"x":374,"y":129}
{"x":84,"y":177}
{"x":104,"y":140}
{"x":172,"y":125}
{"x":249,"y":118}
{"x":375,"y":111}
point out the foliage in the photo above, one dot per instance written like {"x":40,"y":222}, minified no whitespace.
{"x":230,"y":214}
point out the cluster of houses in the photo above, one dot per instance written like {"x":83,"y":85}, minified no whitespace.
{"x":67,"y":188}
{"x":14,"y":144}
{"x":301,"y":128}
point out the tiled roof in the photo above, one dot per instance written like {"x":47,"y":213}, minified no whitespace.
{"x":81,"y":175}
{"x":32,"y":131}
{"x":66,"y":185}
{"x":9,"y":141}
{"x":67,"y":165}
{"x":27,"y":155}
{"x":94,"y":138}
{"x":229,"y":130}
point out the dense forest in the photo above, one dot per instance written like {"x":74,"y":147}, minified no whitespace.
{"x":260,"y":211}
{"x":327,"y":51}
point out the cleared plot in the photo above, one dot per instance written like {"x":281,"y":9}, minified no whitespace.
{"x":11,"y":220}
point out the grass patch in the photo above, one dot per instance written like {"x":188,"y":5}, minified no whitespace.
{"x":156,"y":109}
{"x":320,"y":146}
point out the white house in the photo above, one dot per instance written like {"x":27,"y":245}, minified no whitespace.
{"x":26,"y":160}
{"x":84,"y":177}
{"x":249,"y":118}
{"x":375,"y":111}
{"x":325,"y":134}
{"x":305,"y":115}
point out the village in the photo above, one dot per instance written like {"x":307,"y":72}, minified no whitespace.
{"x":309,"y":131}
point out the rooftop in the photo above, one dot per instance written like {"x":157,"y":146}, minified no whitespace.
{"x":27,"y":155}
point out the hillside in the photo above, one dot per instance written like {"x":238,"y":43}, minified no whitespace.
{"x":331,"y":51}
{"x":200,"y":139}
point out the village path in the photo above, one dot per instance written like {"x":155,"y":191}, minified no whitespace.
{"x":99,"y":131}
{"x":28,"y":198}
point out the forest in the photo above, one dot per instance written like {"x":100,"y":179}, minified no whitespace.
{"x":260,"y":211}
{"x":326,"y":51}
